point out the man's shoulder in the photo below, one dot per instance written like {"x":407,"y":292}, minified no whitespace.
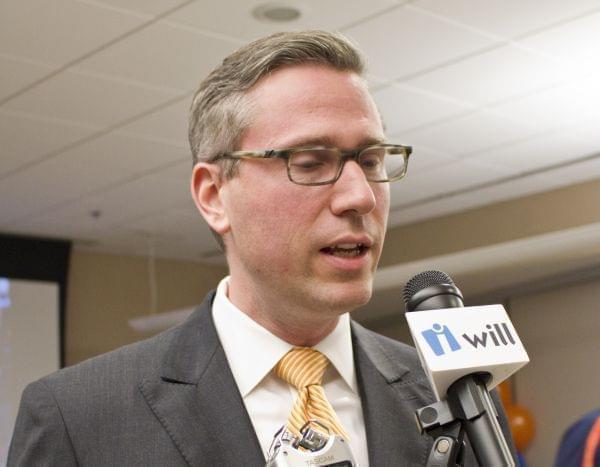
{"x":127,"y":363}
{"x":137,"y":361}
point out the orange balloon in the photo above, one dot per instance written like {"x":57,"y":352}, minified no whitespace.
{"x":522,"y":425}
{"x":505,"y":392}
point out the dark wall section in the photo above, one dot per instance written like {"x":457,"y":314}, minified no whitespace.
{"x":38,"y":259}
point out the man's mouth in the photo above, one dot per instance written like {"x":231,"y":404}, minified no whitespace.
{"x":348,"y":250}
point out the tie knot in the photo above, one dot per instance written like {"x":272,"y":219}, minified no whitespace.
{"x":302,"y":367}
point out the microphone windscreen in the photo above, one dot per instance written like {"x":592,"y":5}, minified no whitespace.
{"x":423,"y":280}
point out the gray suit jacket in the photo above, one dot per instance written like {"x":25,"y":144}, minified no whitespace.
{"x":172,"y":401}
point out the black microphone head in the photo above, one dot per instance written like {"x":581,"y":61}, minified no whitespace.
{"x":423,"y":280}
{"x":430,"y":290}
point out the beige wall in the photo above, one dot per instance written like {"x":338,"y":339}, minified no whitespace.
{"x":560,"y":329}
{"x":105,"y":291}
{"x":541,"y":213}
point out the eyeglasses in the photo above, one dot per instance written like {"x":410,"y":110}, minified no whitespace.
{"x":321,"y":165}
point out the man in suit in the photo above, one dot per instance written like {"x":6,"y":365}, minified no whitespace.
{"x":292,"y":173}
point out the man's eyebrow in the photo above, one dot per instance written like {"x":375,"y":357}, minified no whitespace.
{"x":329,"y":142}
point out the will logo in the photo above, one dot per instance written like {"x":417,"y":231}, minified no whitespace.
{"x":436,"y":335}
{"x":498,"y":333}
{"x":440,"y":339}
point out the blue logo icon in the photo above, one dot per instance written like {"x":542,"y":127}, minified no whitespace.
{"x":432,"y":336}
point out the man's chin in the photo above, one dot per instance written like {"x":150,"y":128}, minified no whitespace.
{"x":350,"y":297}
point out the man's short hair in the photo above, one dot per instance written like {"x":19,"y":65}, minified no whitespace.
{"x":221,"y":111}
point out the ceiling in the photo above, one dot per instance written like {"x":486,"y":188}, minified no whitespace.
{"x":499,"y":99}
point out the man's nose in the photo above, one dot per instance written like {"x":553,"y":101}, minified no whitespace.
{"x":352,"y":192}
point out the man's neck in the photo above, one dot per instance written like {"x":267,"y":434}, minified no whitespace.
{"x":299,"y":334}
{"x":299,"y":327}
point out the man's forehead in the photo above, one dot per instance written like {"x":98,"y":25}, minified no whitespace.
{"x":312,"y":104}
{"x":283,"y":80}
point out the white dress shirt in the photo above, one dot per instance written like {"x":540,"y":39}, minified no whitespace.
{"x":252,"y":352}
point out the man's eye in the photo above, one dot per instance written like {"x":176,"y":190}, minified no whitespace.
{"x":370,"y":162}
{"x":307,"y":162}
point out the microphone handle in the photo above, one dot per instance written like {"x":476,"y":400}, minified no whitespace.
{"x":470,"y":398}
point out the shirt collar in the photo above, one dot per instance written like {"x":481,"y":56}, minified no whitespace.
{"x":337,"y":347}
{"x":252,"y":351}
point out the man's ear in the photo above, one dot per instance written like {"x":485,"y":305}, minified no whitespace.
{"x":206,"y":188}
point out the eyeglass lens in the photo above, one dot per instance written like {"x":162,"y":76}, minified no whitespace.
{"x":321,"y":165}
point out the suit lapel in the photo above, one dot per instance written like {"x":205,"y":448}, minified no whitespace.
{"x":197,"y":401}
{"x":390,"y":394}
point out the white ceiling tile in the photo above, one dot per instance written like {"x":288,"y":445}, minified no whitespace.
{"x":178,"y":224}
{"x":180,"y":171}
{"x":408,"y":190}
{"x":234,"y":18}
{"x":26,"y":138}
{"x":128,"y":214}
{"x":161,"y":55}
{"x":58,"y":31}
{"x":493,"y":76}
{"x":406,"y":41}
{"x":542,"y":151}
{"x":428,"y":210}
{"x":47,"y":184}
{"x":403,"y":107}
{"x":145,"y":7}
{"x":105,"y":212}
{"x":577,"y":172}
{"x":445,"y":205}
{"x":125,"y":242}
{"x":375,"y":82}
{"x":575,"y":43}
{"x":124,"y":155}
{"x":71,"y":219}
{"x":16,"y":74}
{"x":508,"y":18}
{"x":205,"y":251}
{"x":119,"y":242}
{"x":446,"y":178}
{"x":86,"y":169}
{"x":587,"y":137}
{"x":470,"y":134}
{"x":514,"y":188}
{"x":423,"y":158}
{"x":88,"y":100}
{"x":566,"y":105}
{"x":55,"y":229}
{"x":169,"y":123}
{"x":134,"y":199}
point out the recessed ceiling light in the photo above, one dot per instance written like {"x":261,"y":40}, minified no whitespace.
{"x":276,"y":13}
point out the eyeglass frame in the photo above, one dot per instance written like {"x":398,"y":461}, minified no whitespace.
{"x":344,"y":156}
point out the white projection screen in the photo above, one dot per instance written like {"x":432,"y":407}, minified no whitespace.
{"x":29,"y":344}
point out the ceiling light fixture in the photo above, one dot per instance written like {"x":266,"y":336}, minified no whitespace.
{"x":276,"y":13}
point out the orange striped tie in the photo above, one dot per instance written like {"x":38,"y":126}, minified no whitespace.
{"x":303,"y":368}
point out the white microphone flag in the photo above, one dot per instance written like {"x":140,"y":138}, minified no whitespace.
{"x":455,"y":342}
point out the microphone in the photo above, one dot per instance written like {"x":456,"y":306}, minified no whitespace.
{"x":454,"y":341}
{"x":431,"y":290}
{"x":465,"y":352}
